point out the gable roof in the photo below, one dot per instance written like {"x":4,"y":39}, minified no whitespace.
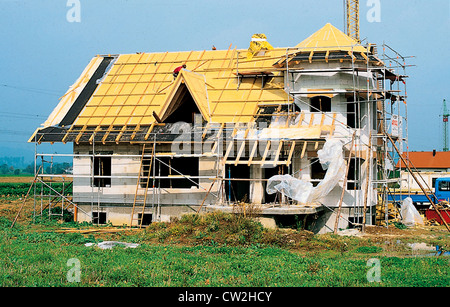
{"x":139,"y":84}
{"x":123,"y":93}
{"x":330,"y":38}
{"x":426,"y":159}
{"x":196,"y":85}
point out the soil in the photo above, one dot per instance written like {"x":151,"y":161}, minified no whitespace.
{"x":26,"y":179}
{"x":16,"y":179}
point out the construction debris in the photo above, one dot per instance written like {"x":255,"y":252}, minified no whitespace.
{"x":111,"y":244}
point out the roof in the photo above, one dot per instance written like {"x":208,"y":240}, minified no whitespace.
{"x":128,"y":92}
{"x":330,"y":38}
{"x":426,"y":159}
{"x":138,"y":84}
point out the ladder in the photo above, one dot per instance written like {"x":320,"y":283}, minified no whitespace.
{"x":144,"y":177}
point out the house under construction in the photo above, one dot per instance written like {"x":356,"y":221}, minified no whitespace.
{"x":300,"y":132}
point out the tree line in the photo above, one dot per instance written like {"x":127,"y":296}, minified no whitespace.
{"x":55,"y":168}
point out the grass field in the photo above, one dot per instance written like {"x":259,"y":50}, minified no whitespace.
{"x":213,"y":250}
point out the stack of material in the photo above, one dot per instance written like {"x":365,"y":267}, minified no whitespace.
{"x":392,"y":214}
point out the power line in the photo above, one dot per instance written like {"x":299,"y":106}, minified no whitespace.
{"x":33,"y":90}
{"x":21,"y":115}
{"x":15,"y":132}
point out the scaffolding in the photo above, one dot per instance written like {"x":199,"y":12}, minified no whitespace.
{"x":386,"y":105}
{"x":394,"y":125}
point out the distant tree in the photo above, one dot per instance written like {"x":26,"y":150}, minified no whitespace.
{"x":29,"y":169}
{"x":4,"y":169}
{"x":17,"y":171}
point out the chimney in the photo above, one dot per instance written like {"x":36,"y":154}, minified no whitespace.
{"x":434,"y":152}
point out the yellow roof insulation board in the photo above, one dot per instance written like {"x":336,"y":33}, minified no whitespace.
{"x":140,"y":84}
{"x":330,"y":38}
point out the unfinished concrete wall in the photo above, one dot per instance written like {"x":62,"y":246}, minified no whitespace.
{"x":125,"y":162}
{"x":325,"y":77}
{"x":332,"y":80}
{"x":116,"y":199}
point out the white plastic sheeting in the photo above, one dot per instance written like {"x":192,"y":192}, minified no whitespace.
{"x":332,"y":159}
{"x":111,"y":244}
{"x":410,"y":215}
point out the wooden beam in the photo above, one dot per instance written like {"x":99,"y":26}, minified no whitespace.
{"x":266,"y":151}
{"x":333,"y":125}
{"x":277,"y":155}
{"x":310,"y":56}
{"x":216,"y":143}
{"x":107,"y":133}
{"x":120,"y":133}
{"x":300,"y":121}
{"x":305,"y":144}
{"x":207,"y":193}
{"x":91,"y":139}
{"x":149,"y":131}
{"x":365,"y":56}
{"x":156,"y":117}
{"x":255,"y":146}
{"x":291,"y":152}
{"x":206,"y":131}
{"x":322,"y":119}
{"x":67,"y":134}
{"x":77,"y":139}
{"x":241,"y":149}
{"x":227,"y":153}
{"x":26,"y":196}
{"x":138,"y":127}
{"x":311,"y":120}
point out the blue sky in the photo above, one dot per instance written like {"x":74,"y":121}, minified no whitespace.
{"x":42,"y":53}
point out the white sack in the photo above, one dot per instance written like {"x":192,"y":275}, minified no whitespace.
{"x":410,"y":215}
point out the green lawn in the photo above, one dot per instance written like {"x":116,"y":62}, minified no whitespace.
{"x":38,"y":258}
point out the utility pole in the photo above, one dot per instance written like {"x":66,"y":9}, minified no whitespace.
{"x":445,"y":116}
